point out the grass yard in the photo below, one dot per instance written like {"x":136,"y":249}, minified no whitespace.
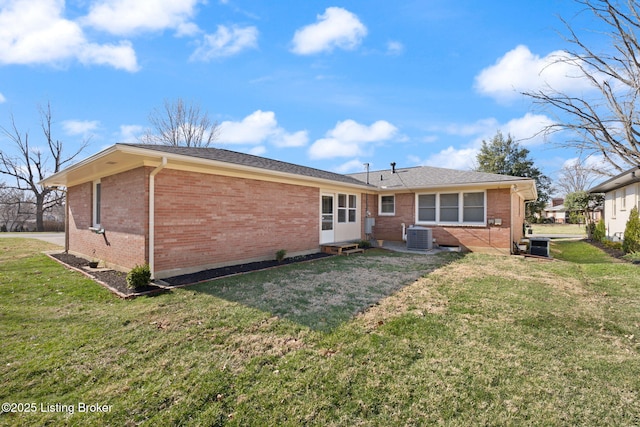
{"x":572,"y":229}
{"x":478,"y":340}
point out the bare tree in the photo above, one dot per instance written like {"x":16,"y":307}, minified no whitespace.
{"x":606,"y":124}
{"x":576,"y":176}
{"x":15,"y":210}
{"x":178,"y":124}
{"x":33,"y":164}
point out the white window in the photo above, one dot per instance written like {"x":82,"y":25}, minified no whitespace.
{"x":427,"y":207}
{"x":353,"y":208}
{"x":347,"y":208}
{"x":473,"y":208}
{"x":387,"y":205}
{"x":97,"y":196}
{"x":623,"y":199}
{"x":452,"y":208}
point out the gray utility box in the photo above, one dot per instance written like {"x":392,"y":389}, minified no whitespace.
{"x":539,"y":246}
{"x":419,"y":238}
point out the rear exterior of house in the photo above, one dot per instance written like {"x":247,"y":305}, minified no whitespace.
{"x":182,"y":214}
{"x":479,"y":212}
{"x":621,"y":194}
{"x":183,"y":210}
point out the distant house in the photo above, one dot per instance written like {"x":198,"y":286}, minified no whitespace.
{"x":622,"y":193}
{"x":185,"y":209}
{"x":555,"y":211}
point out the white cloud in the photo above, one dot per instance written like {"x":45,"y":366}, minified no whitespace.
{"x":126,"y":17}
{"x":351,"y":166}
{"x":257,"y":128}
{"x":519,"y":70}
{"x":130,"y":133}
{"x":258,"y":150}
{"x":336,"y":28}
{"x":349,"y":138}
{"x":225,"y":42}
{"x":2,"y":98}
{"x":297,"y":139}
{"x":394,"y":48}
{"x":34,"y":32}
{"x":79,"y":127}
{"x":453,"y":158}
{"x":526,"y":130}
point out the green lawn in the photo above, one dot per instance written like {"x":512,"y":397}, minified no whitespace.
{"x":572,"y":229}
{"x":480,"y":340}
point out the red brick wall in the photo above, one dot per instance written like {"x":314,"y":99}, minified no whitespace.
{"x":490,"y":238}
{"x":210,"y":219}
{"x":124,"y":217}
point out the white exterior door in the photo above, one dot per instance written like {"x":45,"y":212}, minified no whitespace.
{"x":327,"y":218}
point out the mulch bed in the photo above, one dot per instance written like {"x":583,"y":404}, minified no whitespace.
{"x":116,"y":280}
{"x":215,"y":273}
{"x":615,"y":253}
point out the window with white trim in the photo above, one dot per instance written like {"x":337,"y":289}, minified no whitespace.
{"x":452,"y":208}
{"x":353,"y":208}
{"x":623,"y":199}
{"x":347,"y":208}
{"x":97,"y":202}
{"x":387,"y":205}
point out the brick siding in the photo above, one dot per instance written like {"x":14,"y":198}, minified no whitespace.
{"x":123,"y":217}
{"x":481,"y":239}
{"x":206,"y":220}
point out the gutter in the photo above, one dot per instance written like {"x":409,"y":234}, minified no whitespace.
{"x":152,"y":214}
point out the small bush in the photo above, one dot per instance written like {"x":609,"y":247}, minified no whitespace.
{"x":631,"y":241}
{"x":364,"y":244}
{"x":600,"y":231}
{"x":139,"y":277}
{"x":633,"y":257}
{"x":280,"y":255}
{"x":612,"y":245}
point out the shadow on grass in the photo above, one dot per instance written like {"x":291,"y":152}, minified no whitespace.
{"x":324,"y":293}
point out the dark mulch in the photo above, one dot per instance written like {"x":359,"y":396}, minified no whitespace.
{"x":615,"y":253}
{"x":202,"y":276}
{"x":115,"y":279}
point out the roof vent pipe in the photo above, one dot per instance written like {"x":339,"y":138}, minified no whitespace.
{"x":393,"y":167}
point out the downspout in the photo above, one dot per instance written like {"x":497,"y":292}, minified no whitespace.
{"x":152,"y":212}
{"x":66,"y":220}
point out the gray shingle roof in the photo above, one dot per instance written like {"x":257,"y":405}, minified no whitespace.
{"x":243,"y":159}
{"x":428,"y":176}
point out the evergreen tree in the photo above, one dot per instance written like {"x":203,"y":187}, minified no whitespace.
{"x":631,"y":242}
{"x":507,"y":157}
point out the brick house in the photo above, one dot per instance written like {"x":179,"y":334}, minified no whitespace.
{"x":185,"y":209}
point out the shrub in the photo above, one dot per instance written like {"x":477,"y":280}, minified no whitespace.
{"x":139,"y":277}
{"x":600,"y":231}
{"x":280,"y":255}
{"x":364,"y":244}
{"x":631,"y":242}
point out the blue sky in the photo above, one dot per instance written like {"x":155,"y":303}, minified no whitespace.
{"x":330,"y":85}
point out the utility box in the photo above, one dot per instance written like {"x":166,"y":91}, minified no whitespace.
{"x":419,"y":238}
{"x":539,"y":246}
{"x":369,"y":223}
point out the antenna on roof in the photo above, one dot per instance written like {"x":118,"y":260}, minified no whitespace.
{"x":393,"y":167}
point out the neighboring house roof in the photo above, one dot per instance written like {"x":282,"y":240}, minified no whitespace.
{"x":557,"y":208}
{"x":422,"y":177}
{"x":120,"y":157}
{"x":625,"y":178}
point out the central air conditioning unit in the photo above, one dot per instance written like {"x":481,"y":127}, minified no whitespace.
{"x":419,"y":238}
